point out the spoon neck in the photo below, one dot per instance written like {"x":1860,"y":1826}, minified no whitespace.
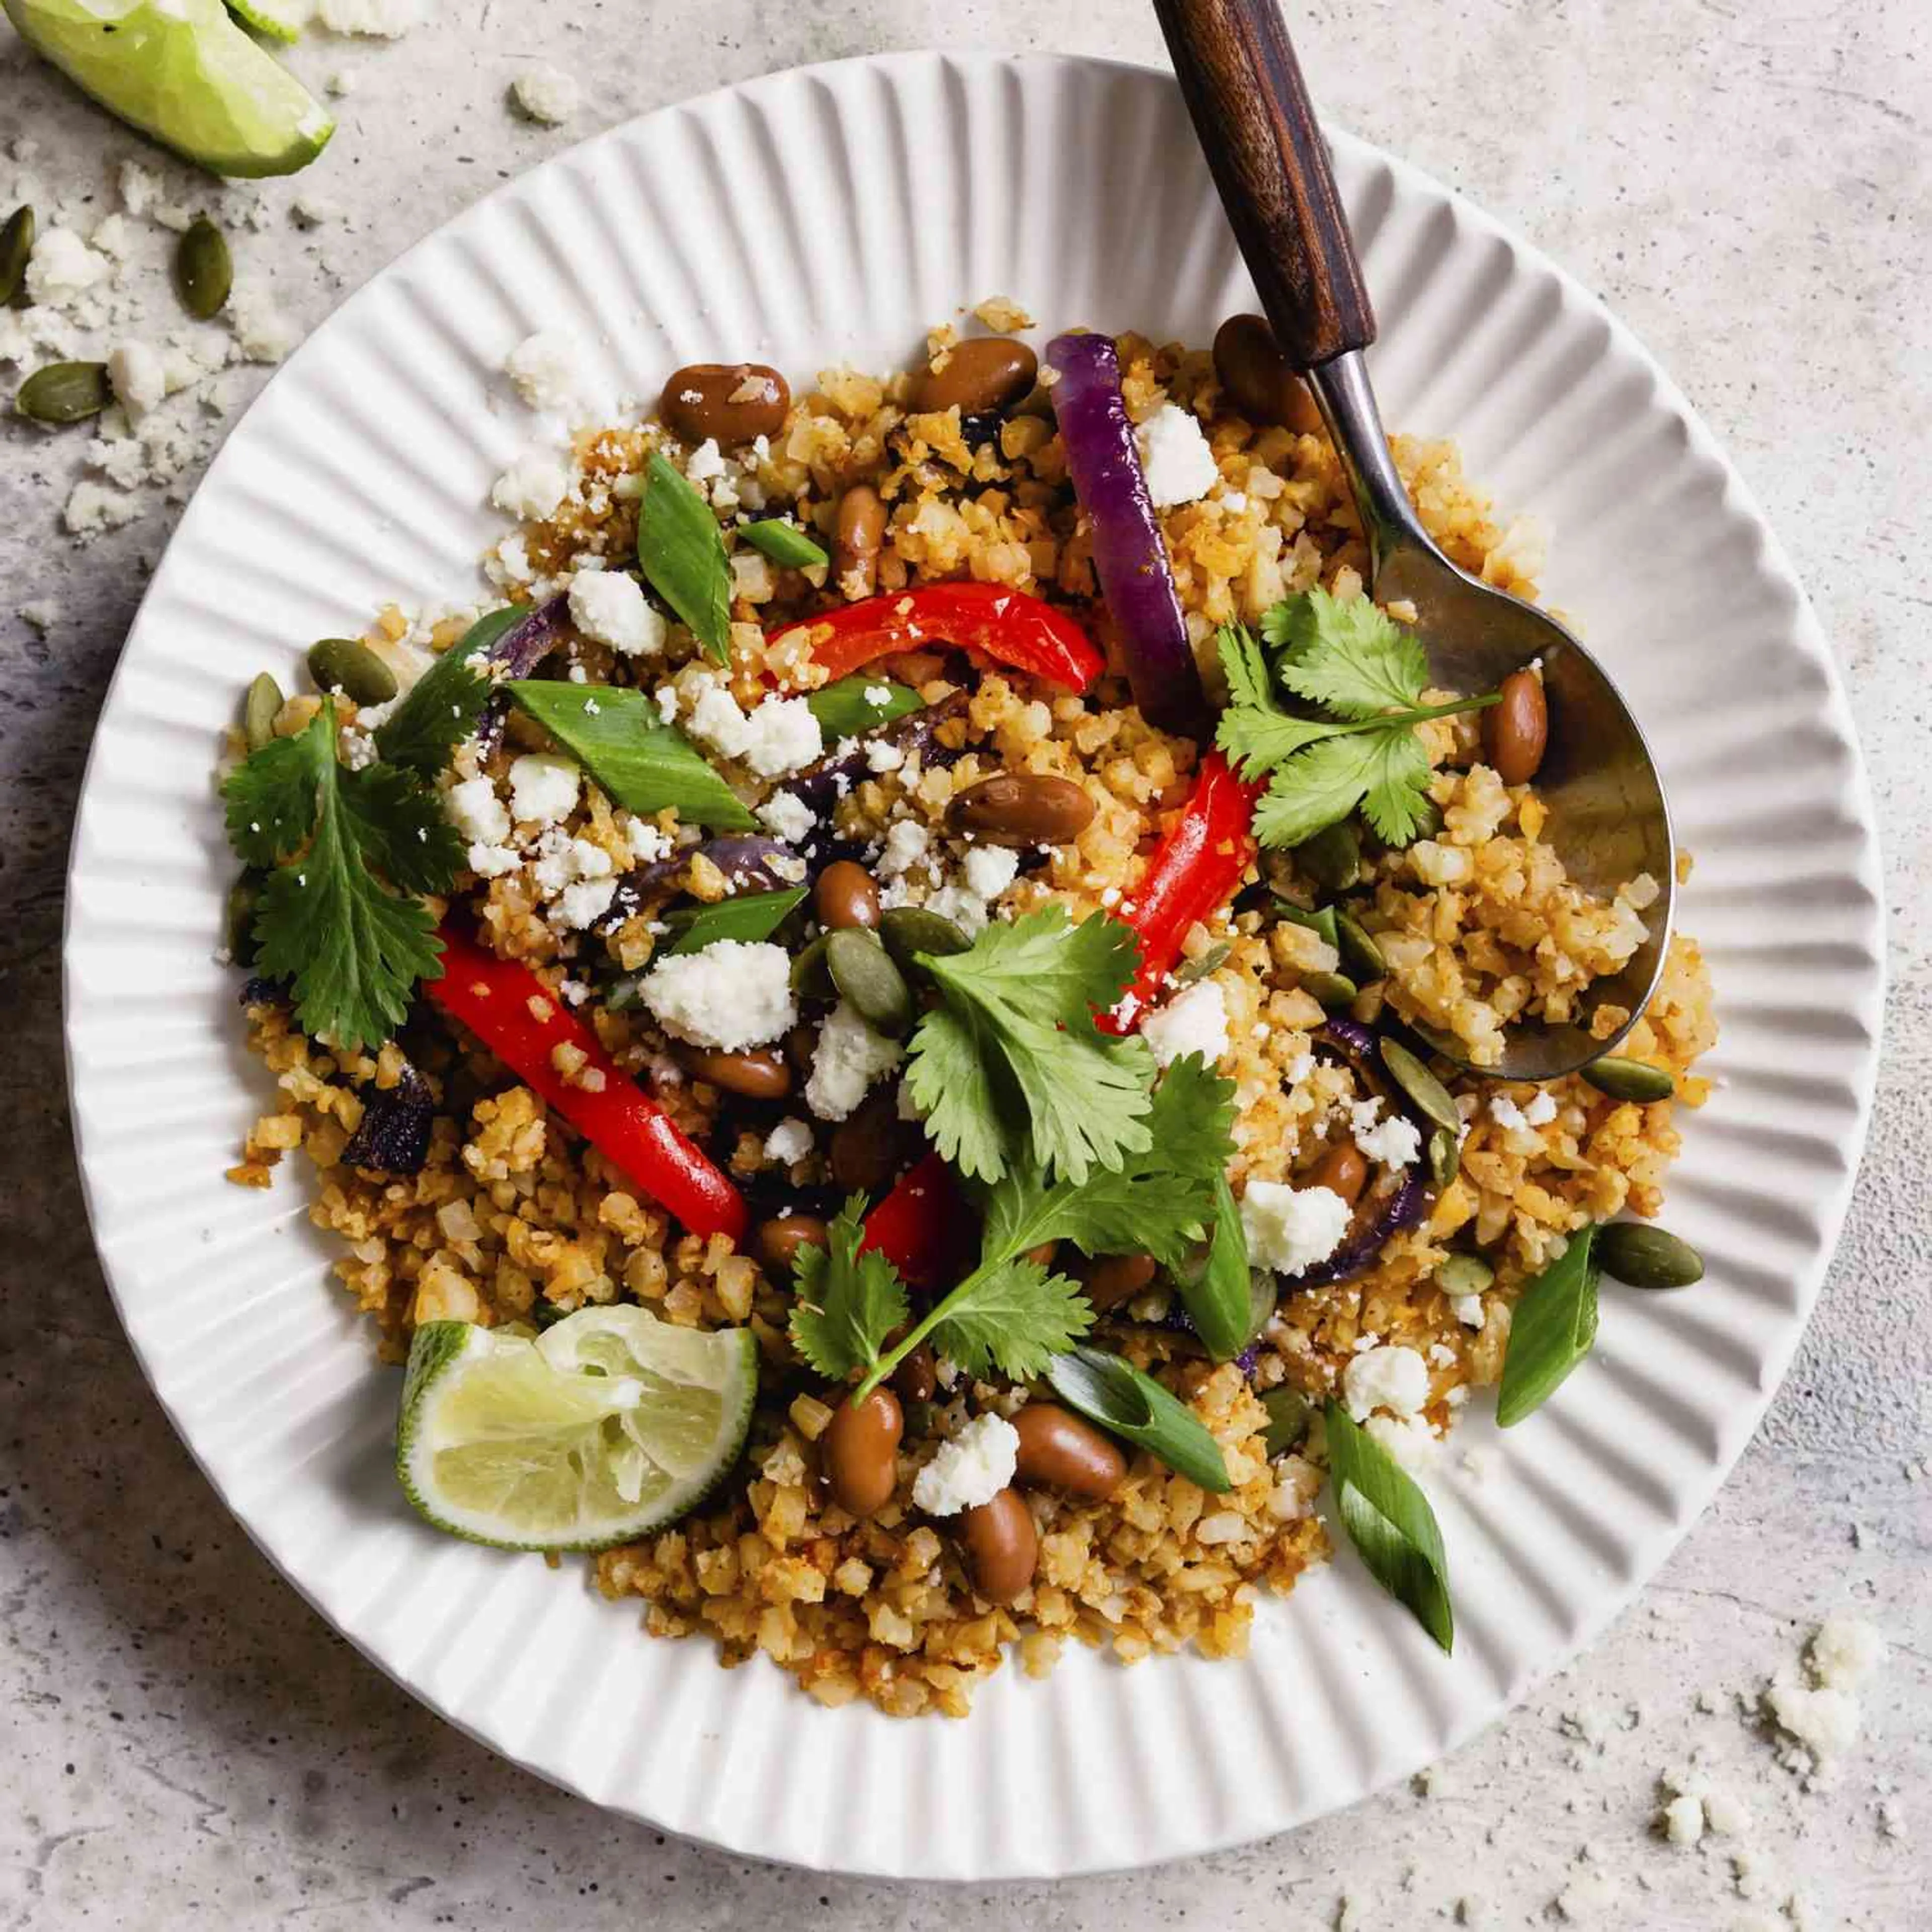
{"x":1347,"y":401}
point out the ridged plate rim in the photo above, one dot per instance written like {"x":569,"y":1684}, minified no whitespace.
{"x":936,"y":1799}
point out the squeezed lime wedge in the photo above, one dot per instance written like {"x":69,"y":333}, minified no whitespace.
{"x":184,"y":72}
{"x":265,"y":16}
{"x":609,"y":1426}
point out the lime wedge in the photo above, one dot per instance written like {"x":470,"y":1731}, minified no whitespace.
{"x":184,"y":72}
{"x":608,"y":1426}
{"x":265,"y":17}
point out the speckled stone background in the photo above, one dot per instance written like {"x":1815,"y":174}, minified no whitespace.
{"x":182,"y":1742}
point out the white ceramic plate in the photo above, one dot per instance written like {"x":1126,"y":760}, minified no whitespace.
{"x":830,"y":215}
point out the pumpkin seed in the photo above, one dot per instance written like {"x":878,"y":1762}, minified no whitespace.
{"x":1332,"y":989}
{"x":1630,"y":1079}
{"x":1644,"y":1257}
{"x":243,"y":897}
{"x":259,"y":710}
{"x":1332,"y":858}
{"x":1264,"y":1298}
{"x":65,"y":392}
{"x":204,"y":269}
{"x":1210,"y":962}
{"x":1289,"y":1413}
{"x":1445,"y":1157}
{"x":908,"y":931}
{"x":1465,"y":1274}
{"x":347,"y":665}
{"x":1421,"y":1086}
{"x":810,"y":980}
{"x":1360,"y":953}
{"x":867,"y":979}
{"x":17,"y":244}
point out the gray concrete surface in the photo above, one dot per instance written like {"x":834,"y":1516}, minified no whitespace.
{"x":182,"y":1742}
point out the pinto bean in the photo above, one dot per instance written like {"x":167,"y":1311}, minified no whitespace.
{"x":1115,"y":1278}
{"x":846,"y":895}
{"x":759,"y":1076}
{"x":987,"y":372}
{"x":1002,"y":1546}
{"x":1022,"y":809}
{"x":732,"y":403}
{"x":1515,"y":733}
{"x":861,"y":530}
{"x":779,"y":1240}
{"x":1059,"y":1450}
{"x":1342,"y":1170}
{"x":1258,"y":379}
{"x":860,"y":1452}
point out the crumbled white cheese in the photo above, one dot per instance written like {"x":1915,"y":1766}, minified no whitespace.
{"x":63,"y":267}
{"x":705,"y":463}
{"x":90,"y":509}
{"x":907,"y":841}
{"x":545,"y":370}
{"x":970,"y":1469}
{"x":732,"y":994}
{"x":787,"y":816}
{"x":1391,"y":1377}
{"x":779,"y":735}
{"x":1408,"y":1441}
{"x":1506,"y":1113}
{"x":609,"y":608}
{"x":139,"y":188}
{"x":788,"y":1142}
{"x":262,"y":333}
{"x":376,"y":19}
{"x":878,"y":695}
{"x":1541,"y":1110}
{"x":1174,"y":454}
{"x":1468,"y":1309}
{"x":990,"y":869}
{"x":546,"y":93}
{"x":44,"y":613}
{"x":646,"y":842}
{"x":561,"y":861}
{"x":1682,"y":1819}
{"x":1291,"y":1228}
{"x":543,"y":788}
{"x":139,"y":378}
{"x":883,"y":755}
{"x":532,"y":487}
{"x":1195,"y":1021}
{"x":849,"y":1056}
{"x":474,"y":808}
{"x":1845,"y":1651}
{"x":1395,"y":1142}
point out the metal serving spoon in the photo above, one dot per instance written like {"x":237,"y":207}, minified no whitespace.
{"x":1608,"y":819}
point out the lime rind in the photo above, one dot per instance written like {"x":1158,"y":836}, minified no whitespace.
{"x":609,"y":1426}
{"x":182,"y":71}
{"x":258,"y":17}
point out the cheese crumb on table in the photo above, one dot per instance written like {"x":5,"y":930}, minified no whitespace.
{"x":63,"y":267}
{"x":546,"y":93}
{"x":970,"y":1469}
{"x":138,"y":378}
{"x":374,"y":20}
{"x":732,"y":994}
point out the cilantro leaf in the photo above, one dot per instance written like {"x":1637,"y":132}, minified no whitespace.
{"x":1349,"y":655}
{"x":401,"y":828}
{"x":1013,"y":1318}
{"x":1317,"y":787}
{"x":351,"y":947}
{"x":1255,"y":741}
{"x":442,"y":708}
{"x":1398,"y":785}
{"x":1250,"y":682}
{"x":849,"y":1301}
{"x":1157,"y":1203}
{"x":1011,"y":1062}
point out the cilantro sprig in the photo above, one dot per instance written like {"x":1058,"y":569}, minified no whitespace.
{"x":848,"y":1300}
{"x":1010,"y":1068}
{"x":1013,"y":1315}
{"x":1359,"y":677}
{"x":347,"y":853}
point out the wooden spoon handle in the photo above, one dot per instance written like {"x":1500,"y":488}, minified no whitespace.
{"x":1251,"y":110}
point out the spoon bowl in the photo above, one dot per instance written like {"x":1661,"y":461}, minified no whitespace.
{"x":1608,"y":820}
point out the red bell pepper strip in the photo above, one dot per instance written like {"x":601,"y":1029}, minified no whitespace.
{"x":1197,"y":868}
{"x":924,"y":1226}
{"x":1006,"y":625}
{"x":509,"y":1009}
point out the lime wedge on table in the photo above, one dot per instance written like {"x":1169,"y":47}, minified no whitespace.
{"x":606,"y":1427}
{"x":184,"y":72}
{"x":265,"y":16}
